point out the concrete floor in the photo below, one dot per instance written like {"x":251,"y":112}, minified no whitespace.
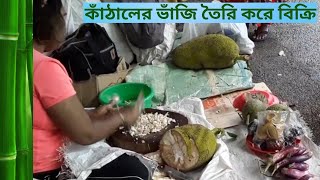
{"x":296,"y":77}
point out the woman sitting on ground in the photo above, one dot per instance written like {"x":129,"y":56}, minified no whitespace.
{"x":58,"y":113}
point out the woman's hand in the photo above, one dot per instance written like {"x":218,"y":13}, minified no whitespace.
{"x":130,"y":115}
{"x":88,"y":127}
{"x":102,"y":111}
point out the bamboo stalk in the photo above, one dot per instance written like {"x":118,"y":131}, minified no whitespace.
{"x":22,"y":163}
{"x":29,"y":40}
{"x":7,"y":108}
{"x":7,"y":167}
{"x":22,"y":123}
{"x":8,"y":47}
{"x":21,"y":80}
{"x":29,"y":129}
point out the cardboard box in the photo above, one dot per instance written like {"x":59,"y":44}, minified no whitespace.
{"x":88,"y":91}
{"x":220,"y":112}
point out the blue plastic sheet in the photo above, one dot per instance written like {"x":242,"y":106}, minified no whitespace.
{"x":172,"y":84}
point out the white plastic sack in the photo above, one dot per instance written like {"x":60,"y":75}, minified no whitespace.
{"x":158,"y":53}
{"x":83,"y":159}
{"x":74,"y":19}
{"x":236,"y":31}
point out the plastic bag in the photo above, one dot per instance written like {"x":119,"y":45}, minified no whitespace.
{"x":236,"y":31}
{"x":270,"y":130}
{"x":158,"y":53}
{"x":74,"y":19}
{"x":294,"y":129}
{"x":81,"y":160}
{"x":144,"y":35}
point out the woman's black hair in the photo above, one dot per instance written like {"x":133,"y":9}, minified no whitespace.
{"x":47,"y":19}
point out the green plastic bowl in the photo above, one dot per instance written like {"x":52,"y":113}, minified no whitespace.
{"x":128,"y":93}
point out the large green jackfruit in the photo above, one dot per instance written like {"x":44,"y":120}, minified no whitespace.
{"x":213,"y":51}
{"x":188,"y":147}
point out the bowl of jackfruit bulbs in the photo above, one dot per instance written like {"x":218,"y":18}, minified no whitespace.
{"x":145,"y":135}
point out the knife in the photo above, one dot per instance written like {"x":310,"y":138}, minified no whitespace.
{"x":140,"y":102}
{"x":173,"y":173}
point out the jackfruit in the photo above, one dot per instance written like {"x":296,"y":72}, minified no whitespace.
{"x":213,"y":51}
{"x":278,"y":107}
{"x":251,"y":109}
{"x":188,"y":147}
{"x":259,"y":96}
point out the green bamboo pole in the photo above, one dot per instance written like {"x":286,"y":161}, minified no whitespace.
{"x":29,"y":38}
{"x":22,"y":121}
{"x":29,"y":128}
{"x":24,"y":146}
{"x":8,"y":48}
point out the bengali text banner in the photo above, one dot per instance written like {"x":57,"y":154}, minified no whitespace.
{"x":200,"y":12}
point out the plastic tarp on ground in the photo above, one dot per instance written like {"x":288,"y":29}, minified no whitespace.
{"x":83,"y":159}
{"x":172,"y":84}
{"x":232,"y":161}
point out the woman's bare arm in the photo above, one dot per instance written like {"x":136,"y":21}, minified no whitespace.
{"x":87,"y":128}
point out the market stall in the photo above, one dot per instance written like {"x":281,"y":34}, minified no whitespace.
{"x":234,"y":159}
{"x":203,"y":116}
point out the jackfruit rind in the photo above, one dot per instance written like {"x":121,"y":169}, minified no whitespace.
{"x":213,"y":51}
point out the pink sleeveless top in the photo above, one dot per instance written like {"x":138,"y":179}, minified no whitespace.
{"x":51,"y":86}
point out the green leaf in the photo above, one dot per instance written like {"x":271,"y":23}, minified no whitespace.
{"x":233,"y":136}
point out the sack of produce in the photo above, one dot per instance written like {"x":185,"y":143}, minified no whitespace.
{"x":214,"y":51}
{"x":158,"y":53}
{"x":143,"y":35}
{"x":188,"y":147}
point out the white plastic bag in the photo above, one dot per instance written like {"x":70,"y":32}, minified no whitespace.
{"x":239,"y":33}
{"x":158,"y":53}
{"x":236,"y":31}
{"x":74,"y":19}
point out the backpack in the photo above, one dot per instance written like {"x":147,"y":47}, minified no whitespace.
{"x":143,"y":35}
{"x":86,"y":52}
